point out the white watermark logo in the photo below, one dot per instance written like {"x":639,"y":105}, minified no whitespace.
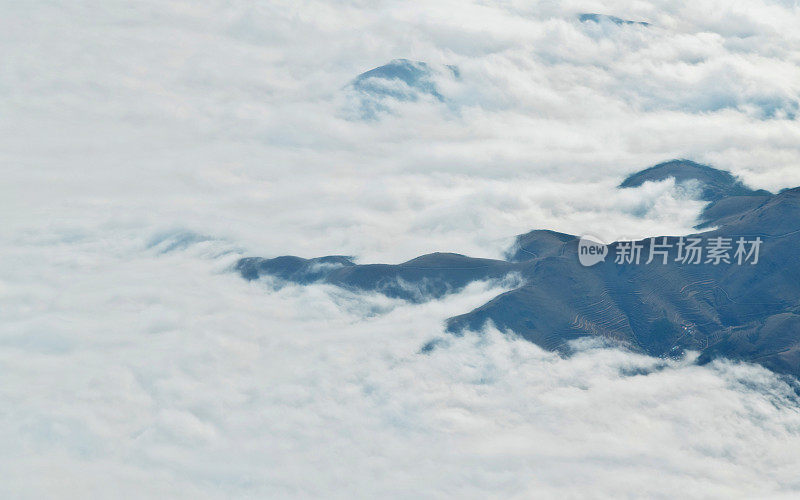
{"x":663,"y":250}
{"x":591,"y":250}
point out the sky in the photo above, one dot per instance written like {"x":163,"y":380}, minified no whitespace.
{"x":146,"y":146}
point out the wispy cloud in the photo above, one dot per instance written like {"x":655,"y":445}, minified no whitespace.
{"x":145,"y":146}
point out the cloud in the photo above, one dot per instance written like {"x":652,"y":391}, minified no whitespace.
{"x":146,"y":146}
{"x":178,"y":378}
{"x":231,"y":112}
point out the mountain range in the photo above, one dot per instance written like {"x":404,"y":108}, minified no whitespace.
{"x":746,"y":309}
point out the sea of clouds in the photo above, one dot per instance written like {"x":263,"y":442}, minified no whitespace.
{"x":145,"y":146}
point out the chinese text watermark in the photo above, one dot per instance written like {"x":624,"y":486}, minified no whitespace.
{"x":687,"y":250}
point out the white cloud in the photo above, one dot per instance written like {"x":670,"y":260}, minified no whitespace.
{"x":144,"y":366}
{"x":305,"y":391}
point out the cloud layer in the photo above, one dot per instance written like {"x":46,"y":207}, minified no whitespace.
{"x":196,"y":115}
{"x":162,"y":374}
{"x":146,"y":146}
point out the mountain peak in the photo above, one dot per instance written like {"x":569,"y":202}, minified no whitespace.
{"x":401,"y":80}
{"x":599,"y":18}
{"x":714,"y":184}
{"x":414,"y":74}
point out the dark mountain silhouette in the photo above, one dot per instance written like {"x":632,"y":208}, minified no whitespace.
{"x":427,"y":277}
{"x":736,"y":310}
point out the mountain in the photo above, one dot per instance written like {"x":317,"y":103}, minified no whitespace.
{"x":729,"y":197}
{"x":714,"y":184}
{"x":740,"y":310}
{"x":601,"y":18}
{"x":424,"y":278}
{"x":401,"y":80}
{"x":537,"y":244}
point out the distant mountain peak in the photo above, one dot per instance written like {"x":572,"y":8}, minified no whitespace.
{"x":599,"y":18}
{"x":714,"y":184}
{"x":416,"y":75}
{"x":728,"y":197}
{"x":399,"y":79}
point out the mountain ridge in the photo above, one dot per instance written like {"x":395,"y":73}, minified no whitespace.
{"x":741,"y":311}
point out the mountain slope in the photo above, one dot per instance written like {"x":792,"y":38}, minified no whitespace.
{"x":729,"y":197}
{"x":748,"y":311}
